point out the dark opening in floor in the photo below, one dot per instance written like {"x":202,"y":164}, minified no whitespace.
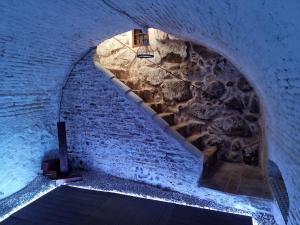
{"x":67,"y":205}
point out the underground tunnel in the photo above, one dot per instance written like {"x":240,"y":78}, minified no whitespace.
{"x":207,"y":117}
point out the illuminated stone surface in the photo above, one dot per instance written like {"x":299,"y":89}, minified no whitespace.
{"x":204,"y":87}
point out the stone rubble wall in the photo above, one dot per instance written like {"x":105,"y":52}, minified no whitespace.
{"x":204,"y":88}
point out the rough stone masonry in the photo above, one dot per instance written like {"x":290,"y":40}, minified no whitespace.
{"x":208,"y":95}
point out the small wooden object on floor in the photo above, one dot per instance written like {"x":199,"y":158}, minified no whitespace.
{"x":58,"y":169}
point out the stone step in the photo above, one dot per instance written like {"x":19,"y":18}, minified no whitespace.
{"x":196,"y":126}
{"x":156,"y":106}
{"x":210,"y":159}
{"x":120,"y":74}
{"x":182,"y":128}
{"x":186,"y":129}
{"x":145,"y":94}
{"x":123,"y":80}
{"x":197,"y":140}
{"x":129,"y":83}
{"x":168,"y":117}
{"x":193,"y":139}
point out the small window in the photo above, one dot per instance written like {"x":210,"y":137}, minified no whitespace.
{"x":138,"y":38}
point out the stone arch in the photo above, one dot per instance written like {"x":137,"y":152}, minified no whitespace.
{"x":201,"y":95}
{"x":109,"y":133}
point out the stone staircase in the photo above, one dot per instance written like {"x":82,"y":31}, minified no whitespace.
{"x":236,"y":178}
{"x":190,"y":130}
{"x":202,"y":100}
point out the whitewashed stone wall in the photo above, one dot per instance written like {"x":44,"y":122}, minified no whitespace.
{"x":204,"y":90}
{"x":40,"y":39}
{"x":108,"y":132}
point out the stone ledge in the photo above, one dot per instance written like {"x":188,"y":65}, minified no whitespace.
{"x":120,"y":85}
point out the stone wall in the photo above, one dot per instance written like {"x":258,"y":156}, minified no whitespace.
{"x":200,"y":86}
{"x":107,"y":132}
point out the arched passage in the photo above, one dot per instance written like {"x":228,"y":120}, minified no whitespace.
{"x":203,"y":97}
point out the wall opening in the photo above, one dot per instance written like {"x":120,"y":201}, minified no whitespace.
{"x":203,"y":97}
